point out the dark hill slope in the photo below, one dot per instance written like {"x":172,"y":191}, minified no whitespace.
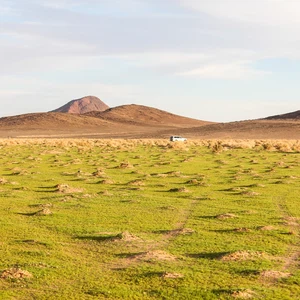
{"x":253,"y":129}
{"x":292,"y":115}
{"x":145,"y":116}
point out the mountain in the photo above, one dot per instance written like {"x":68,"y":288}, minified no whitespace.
{"x":83,"y":105}
{"x":138,"y":121}
{"x":145,"y":116}
{"x":252,"y":129}
{"x":292,"y":115}
{"x":127,"y":121}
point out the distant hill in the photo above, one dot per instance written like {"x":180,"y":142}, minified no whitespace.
{"x":252,"y":129}
{"x":83,"y":105}
{"x":127,"y":121}
{"x":145,"y":116}
{"x":292,"y":115}
{"x":138,"y":121}
{"x":49,"y":120}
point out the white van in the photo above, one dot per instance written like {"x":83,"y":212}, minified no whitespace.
{"x":175,"y":138}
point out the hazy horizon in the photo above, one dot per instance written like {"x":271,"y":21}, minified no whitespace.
{"x":221,"y":60}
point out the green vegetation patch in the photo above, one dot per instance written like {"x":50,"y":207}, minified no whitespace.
{"x":149,"y":219}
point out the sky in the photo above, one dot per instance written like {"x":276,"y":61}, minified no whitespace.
{"x":214,"y":60}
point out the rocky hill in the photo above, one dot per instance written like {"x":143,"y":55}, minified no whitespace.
{"x":83,"y":105}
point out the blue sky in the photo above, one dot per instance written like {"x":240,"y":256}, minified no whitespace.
{"x":216,"y":60}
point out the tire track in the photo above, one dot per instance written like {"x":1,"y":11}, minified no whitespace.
{"x":292,"y":261}
{"x":180,"y":227}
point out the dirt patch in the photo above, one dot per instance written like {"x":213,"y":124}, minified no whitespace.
{"x":3,"y":181}
{"x":266,"y":228}
{"x":125,"y":165}
{"x":20,"y":172}
{"x":170,"y":207}
{"x":162,"y":175}
{"x":182,"y":231}
{"x":174,"y":173}
{"x":226,"y":216}
{"x":242,"y":229}
{"x":172,"y":275}
{"x":243,"y":255}
{"x":99,"y":173}
{"x":106,"y":193}
{"x":271,"y":274}
{"x":126,"y":236}
{"x":106,"y":181}
{"x":246,"y":294}
{"x":65,"y":188}
{"x":249,"y":193}
{"x":45,"y":205}
{"x":179,"y":190}
{"x":293,"y":261}
{"x":291,"y":221}
{"x":186,"y":231}
{"x":153,"y":256}
{"x":137,"y":182}
{"x":192,"y":181}
{"x":44,"y":212}
{"x":15,"y":273}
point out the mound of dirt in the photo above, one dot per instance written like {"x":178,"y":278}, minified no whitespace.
{"x":246,"y":294}
{"x":291,"y":221}
{"x":266,"y":228}
{"x":181,"y":231}
{"x":186,"y":231}
{"x":154,"y":255}
{"x":125,"y":165}
{"x":66,"y":189}
{"x":106,"y":181}
{"x":243,"y":255}
{"x":242,"y":229}
{"x":274,"y":274}
{"x":62,"y":188}
{"x":127,"y":237}
{"x":106,"y":193}
{"x":44,"y":205}
{"x":226,"y":216}
{"x":3,"y":181}
{"x":192,"y":181}
{"x":172,"y":275}
{"x":249,"y":193}
{"x":15,"y":273}
{"x":179,"y":190}
{"x":43,"y":212}
{"x":99,"y":173}
{"x":137,"y":182}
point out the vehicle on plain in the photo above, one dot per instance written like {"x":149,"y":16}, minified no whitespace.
{"x":175,"y":138}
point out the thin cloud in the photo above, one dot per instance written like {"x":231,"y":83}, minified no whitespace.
{"x":271,"y":12}
{"x":132,"y":41}
{"x":236,"y":70}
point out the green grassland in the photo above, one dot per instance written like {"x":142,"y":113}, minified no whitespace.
{"x":149,"y":219}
